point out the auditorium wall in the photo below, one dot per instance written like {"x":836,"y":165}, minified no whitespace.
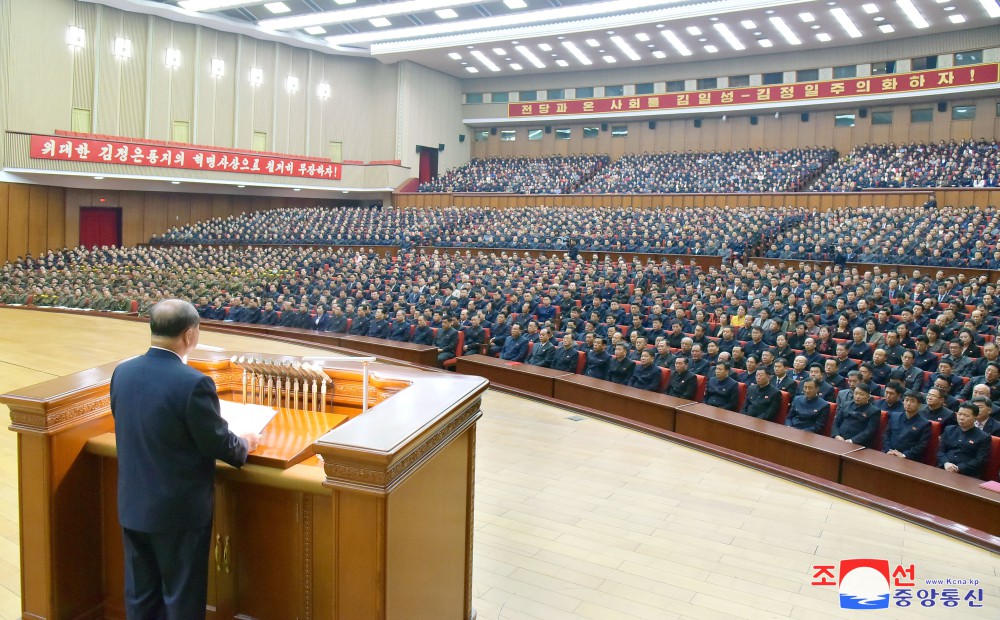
{"x":737,"y":132}
{"x":140,"y":97}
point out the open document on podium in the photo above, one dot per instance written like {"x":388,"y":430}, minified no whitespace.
{"x":246,"y":418}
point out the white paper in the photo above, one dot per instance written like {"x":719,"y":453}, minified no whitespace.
{"x":244,"y":419}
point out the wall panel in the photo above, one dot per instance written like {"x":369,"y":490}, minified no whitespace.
{"x":17,"y":217}
{"x":5,"y":222}
{"x":56,"y":205}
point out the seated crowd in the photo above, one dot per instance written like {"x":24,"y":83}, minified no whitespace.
{"x":970,"y":163}
{"x":709,"y":231}
{"x":519,"y":175}
{"x":844,"y":346}
{"x":713,"y":172}
{"x":945,"y":237}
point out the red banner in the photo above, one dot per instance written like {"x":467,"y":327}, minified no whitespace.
{"x":954,"y":77}
{"x":130,"y":153}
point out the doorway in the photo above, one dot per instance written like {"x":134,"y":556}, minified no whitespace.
{"x":100,"y":226}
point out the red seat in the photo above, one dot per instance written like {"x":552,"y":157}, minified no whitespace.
{"x":134,"y":307}
{"x":828,"y":429}
{"x":882,"y":423}
{"x":786,"y":404}
{"x":581,"y":362}
{"x":742,"y":389}
{"x":664,"y":379}
{"x":992,"y":470}
{"x":699,"y":391}
{"x":459,"y":347}
{"x":930,"y":452}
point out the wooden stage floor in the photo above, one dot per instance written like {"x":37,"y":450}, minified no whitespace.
{"x":580,"y":518}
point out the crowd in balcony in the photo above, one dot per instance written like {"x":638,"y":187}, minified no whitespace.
{"x":520,"y":175}
{"x":844,"y":346}
{"x":713,"y":172}
{"x":969,"y":163}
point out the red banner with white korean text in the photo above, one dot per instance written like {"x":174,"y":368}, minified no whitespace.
{"x":130,"y":153}
{"x":915,"y":82}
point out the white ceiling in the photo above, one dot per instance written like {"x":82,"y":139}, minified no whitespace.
{"x":493,"y":39}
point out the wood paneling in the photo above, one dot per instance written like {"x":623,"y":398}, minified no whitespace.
{"x":4,"y":220}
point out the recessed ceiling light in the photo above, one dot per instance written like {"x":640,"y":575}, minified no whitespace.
{"x":878,"y":19}
{"x":625,"y":48}
{"x":659,"y":54}
{"x":562,"y":63}
{"x":545,"y":47}
{"x":887,"y":28}
{"x":314,"y":30}
{"x":296,"y":189}
{"x":446,"y":13}
{"x":481,"y":57}
{"x":711,"y":49}
{"x":807,"y":17}
{"x":516,"y":66}
{"x":949,"y":8}
{"x":593,"y":43}
{"x":765,"y":43}
{"x":642,"y":36}
{"x":694,"y":31}
{"x":749,"y":24}
{"x":175,"y":182}
{"x":277,"y":7}
{"x":713,"y":19}
{"x":869,"y":8}
{"x":769,"y":12}
{"x":345,"y":1}
{"x":454,"y":56}
{"x":575,"y":51}
{"x":554,"y":55}
{"x":651,"y":46}
{"x":515,"y":4}
{"x":910,"y":10}
{"x":991,"y":6}
{"x":611,"y":31}
{"x":472,"y":69}
{"x":824,"y":37}
{"x":560,"y":38}
{"x":524,"y":51}
{"x":98,"y":178}
{"x":730,"y":38}
{"x":956,"y":19}
{"x":703,"y":40}
{"x":499,"y":51}
{"x":785,"y":31}
{"x":609,"y":59}
{"x":845,"y":22}
{"x":380,"y":22}
{"x":241,"y":186}
{"x":675,"y":41}
{"x":815,"y":27}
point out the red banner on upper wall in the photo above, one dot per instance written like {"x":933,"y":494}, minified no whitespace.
{"x":953,"y":77}
{"x":131,"y":153}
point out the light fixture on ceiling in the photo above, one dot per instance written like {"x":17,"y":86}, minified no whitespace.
{"x":278,"y":8}
{"x":472,"y":69}
{"x":241,"y":186}
{"x":593,"y":43}
{"x":878,"y":19}
{"x":172,"y":58}
{"x":76,"y":37}
{"x":454,"y":56}
{"x":992,"y":7}
{"x":323,"y":90}
{"x":845,"y":22}
{"x":575,"y":51}
{"x":785,"y":31}
{"x":175,"y":182}
{"x":123,"y":48}
{"x":562,"y":63}
{"x":218,"y":68}
{"x":446,"y":13}
{"x":625,"y":48}
{"x":642,"y":37}
{"x":912,"y":13}
{"x":292,"y":84}
{"x":824,"y":37}
{"x":296,"y":189}
{"x":484,"y":59}
{"x":694,"y":31}
{"x":530,"y":56}
{"x":98,"y":178}
{"x":660,"y":55}
{"x":765,"y":43}
{"x":886,"y":28}
{"x":516,"y":66}
{"x":380,"y":22}
{"x":676,"y":42}
{"x":315,"y":30}
{"x":730,"y":38}
{"x":499,"y":51}
{"x":870,"y":8}
{"x":256,"y":76}
{"x":610,"y":59}
{"x":956,"y":19}
{"x":807,"y":17}
{"x":545,"y":47}
{"x":748,"y":24}
{"x":711,"y":49}
{"x":515,"y":4}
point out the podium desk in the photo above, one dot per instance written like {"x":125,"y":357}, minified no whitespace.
{"x":339,"y":515}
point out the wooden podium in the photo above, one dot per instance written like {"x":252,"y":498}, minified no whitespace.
{"x":337,"y":516}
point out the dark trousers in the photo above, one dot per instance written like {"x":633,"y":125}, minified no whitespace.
{"x":166,"y":574}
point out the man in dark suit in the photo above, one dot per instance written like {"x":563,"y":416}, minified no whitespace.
{"x":542,"y":352}
{"x":169,"y":433}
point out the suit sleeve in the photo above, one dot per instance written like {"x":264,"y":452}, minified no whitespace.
{"x":734,"y":398}
{"x":868,"y":433}
{"x":209,"y":430}
{"x":976,"y":463}
{"x":916,"y":452}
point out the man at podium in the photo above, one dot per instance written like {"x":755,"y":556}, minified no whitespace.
{"x":169,"y":433}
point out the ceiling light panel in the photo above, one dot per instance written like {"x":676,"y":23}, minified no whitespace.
{"x":956,"y":19}
{"x":609,"y":59}
{"x":676,"y":42}
{"x":912,"y":13}
{"x":659,"y":54}
{"x":380,"y":22}
{"x":730,"y":38}
{"x":277,"y":8}
{"x":446,"y":13}
{"x":642,"y":36}
{"x":824,"y":37}
{"x":454,"y":56}
{"x":575,"y":51}
{"x":361,"y":13}
{"x":562,"y":63}
{"x":516,"y":66}
{"x":845,"y":22}
{"x":711,"y":49}
{"x":694,"y":31}
{"x":315,"y":30}
{"x":625,"y":48}
{"x":472,"y":70}
{"x":485,"y":60}
{"x":992,"y":7}
{"x":499,"y":51}
{"x":593,"y":43}
{"x":785,"y":31}
{"x":870,"y":8}
{"x":749,"y":24}
{"x":515,"y":4}
{"x":530,"y":56}
{"x":886,"y":28}
{"x":807,"y":17}
{"x":212,"y":5}
{"x":545,"y":47}
{"x":765,"y":43}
